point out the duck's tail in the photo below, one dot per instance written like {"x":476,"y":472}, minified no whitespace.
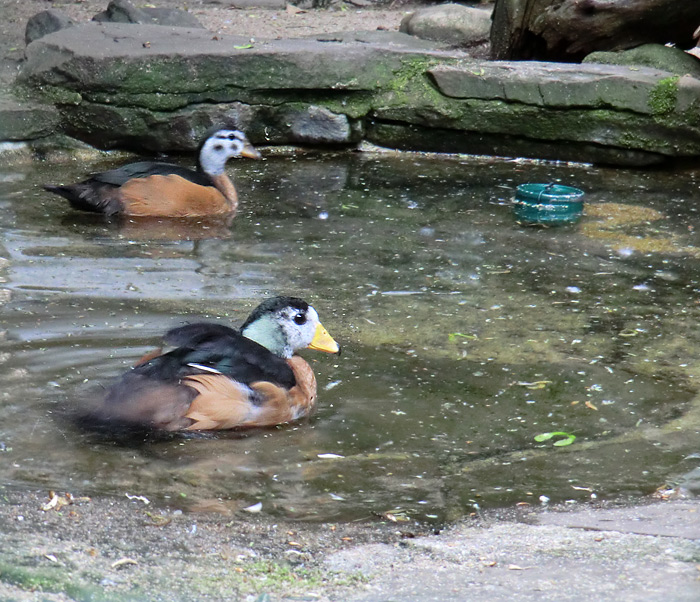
{"x":85,"y":198}
{"x":64,"y":191}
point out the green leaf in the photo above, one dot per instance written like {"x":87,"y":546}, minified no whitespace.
{"x":567,"y":440}
{"x":453,"y":336}
{"x":243,"y":46}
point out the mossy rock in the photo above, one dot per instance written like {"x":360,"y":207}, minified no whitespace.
{"x":665,"y":58}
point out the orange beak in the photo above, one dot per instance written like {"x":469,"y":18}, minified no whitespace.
{"x":322,"y":341}
{"x":250,"y":152}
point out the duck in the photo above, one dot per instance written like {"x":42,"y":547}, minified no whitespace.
{"x":219,"y":378}
{"x":157,"y":189}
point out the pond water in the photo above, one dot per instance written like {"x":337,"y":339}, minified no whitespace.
{"x":465,"y":335}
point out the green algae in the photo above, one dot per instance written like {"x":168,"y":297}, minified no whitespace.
{"x":662,"y":99}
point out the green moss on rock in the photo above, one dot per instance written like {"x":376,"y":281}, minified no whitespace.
{"x":662,"y":99}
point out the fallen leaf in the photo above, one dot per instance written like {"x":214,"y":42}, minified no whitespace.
{"x":453,"y":336}
{"x":568,"y":438}
{"x":158,"y":520}
{"x":590,"y":406}
{"x":122,"y":562}
{"x":56,"y":502}
{"x":396,"y":517}
{"x":52,"y":503}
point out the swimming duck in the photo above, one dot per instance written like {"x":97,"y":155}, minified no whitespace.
{"x":221,"y":378}
{"x":154,"y":189}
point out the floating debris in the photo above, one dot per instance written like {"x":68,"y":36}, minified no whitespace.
{"x":56,"y":502}
{"x":138,"y":498}
{"x":538,"y":384}
{"x":396,"y":516}
{"x":254,"y":509}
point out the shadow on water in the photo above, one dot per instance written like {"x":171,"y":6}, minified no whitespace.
{"x":465,"y":336}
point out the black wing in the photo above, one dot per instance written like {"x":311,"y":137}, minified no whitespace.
{"x":144,"y":169}
{"x":220,"y":348}
{"x":190,"y":335}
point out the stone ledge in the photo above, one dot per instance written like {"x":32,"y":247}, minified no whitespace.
{"x":158,"y":88}
{"x":175,"y":60}
{"x":559,"y":85}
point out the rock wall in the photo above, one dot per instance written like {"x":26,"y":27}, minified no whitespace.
{"x":158,"y":88}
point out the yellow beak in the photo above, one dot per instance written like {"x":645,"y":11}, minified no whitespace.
{"x":250,"y":152}
{"x":322,"y":341}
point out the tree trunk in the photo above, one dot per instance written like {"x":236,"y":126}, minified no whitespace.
{"x":568,"y":30}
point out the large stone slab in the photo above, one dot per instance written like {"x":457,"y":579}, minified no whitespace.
{"x":563,"y":85}
{"x":158,"y":88}
{"x":167,"y":67}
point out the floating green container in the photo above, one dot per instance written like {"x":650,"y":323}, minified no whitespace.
{"x":547,"y":204}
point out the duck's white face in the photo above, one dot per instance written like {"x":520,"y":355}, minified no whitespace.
{"x":289,"y":329}
{"x":299,"y":327}
{"x":222,"y":146}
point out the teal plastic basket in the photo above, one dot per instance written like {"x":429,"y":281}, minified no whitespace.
{"x":548,"y":204}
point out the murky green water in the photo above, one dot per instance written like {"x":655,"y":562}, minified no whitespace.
{"x":464,"y":335}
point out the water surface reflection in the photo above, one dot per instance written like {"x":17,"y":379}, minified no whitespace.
{"x":465,"y":335}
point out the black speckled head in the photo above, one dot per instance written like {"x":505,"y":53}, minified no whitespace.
{"x":273,"y":306}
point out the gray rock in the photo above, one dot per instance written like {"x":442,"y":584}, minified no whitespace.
{"x":318,"y":125}
{"x":44,"y":23}
{"x":667,"y":58}
{"x":22,"y":120}
{"x":454,"y":24}
{"x":122,"y":11}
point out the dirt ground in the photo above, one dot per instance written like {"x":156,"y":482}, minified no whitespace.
{"x":217,"y":17}
{"x":128,"y":550}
